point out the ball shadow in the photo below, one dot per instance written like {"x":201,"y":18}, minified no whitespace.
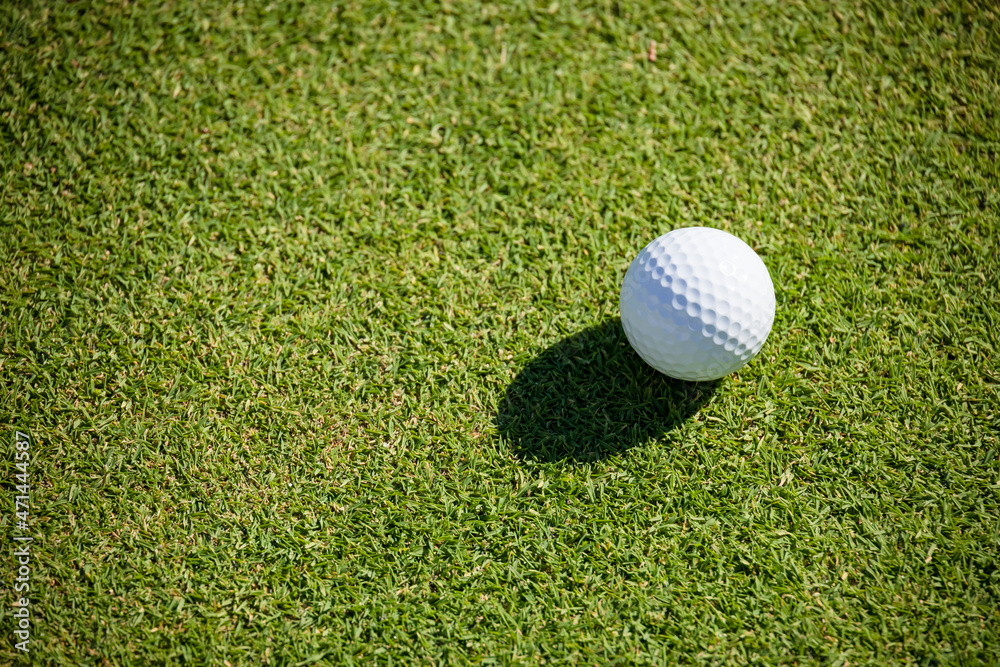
{"x":591,"y":396}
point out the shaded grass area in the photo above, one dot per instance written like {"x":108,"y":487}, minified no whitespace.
{"x":590,"y":396}
{"x":271,"y":274}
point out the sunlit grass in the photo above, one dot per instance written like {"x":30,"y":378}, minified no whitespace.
{"x":310,"y":310}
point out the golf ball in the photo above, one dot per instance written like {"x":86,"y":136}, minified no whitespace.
{"x":697,"y":303}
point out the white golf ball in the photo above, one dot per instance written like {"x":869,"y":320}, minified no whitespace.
{"x":697,"y":303}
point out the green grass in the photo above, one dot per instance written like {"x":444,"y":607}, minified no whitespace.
{"x":311,"y":312}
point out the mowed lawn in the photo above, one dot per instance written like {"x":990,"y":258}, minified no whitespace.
{"x":311,"y":312}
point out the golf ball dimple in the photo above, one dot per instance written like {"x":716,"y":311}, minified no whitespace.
{"x":697,"y":303}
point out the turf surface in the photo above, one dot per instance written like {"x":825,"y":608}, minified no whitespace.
{"x":310,"y":310}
